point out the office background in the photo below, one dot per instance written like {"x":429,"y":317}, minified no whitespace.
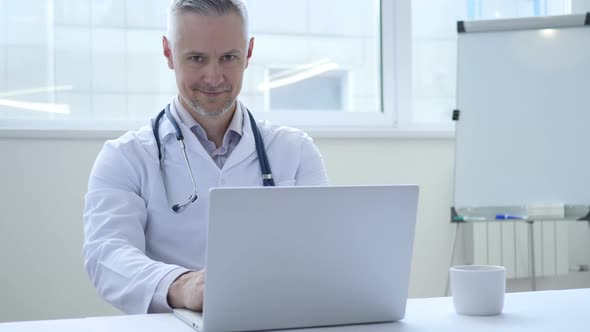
{"x":43,"y":179}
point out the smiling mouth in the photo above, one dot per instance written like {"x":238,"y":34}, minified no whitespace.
{"x":212,"y":92}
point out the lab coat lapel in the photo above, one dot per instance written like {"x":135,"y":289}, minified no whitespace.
{"x":246,"y":147}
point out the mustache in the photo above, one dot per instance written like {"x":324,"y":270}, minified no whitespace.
{"x":212,"y":89}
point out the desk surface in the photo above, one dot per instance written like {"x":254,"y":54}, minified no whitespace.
{"x":564,"y":310}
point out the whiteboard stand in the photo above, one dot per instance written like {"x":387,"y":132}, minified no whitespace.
{"x":532,"y":255}
{"x":486,"y":214}
{"x":453,"y":248}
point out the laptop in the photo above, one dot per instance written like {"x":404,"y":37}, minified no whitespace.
{"x":295,"y":257}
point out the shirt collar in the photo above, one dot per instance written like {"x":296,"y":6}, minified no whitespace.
{"x":237,"y":121}
{"x":236,"y":125}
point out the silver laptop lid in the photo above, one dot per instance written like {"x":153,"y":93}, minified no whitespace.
{"x":288,"y":257}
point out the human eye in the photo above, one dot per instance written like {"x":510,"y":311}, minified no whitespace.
{"x":197,"y":58}
{"x":229,"y":58}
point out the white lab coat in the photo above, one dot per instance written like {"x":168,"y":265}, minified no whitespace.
{"x":134,"y":246}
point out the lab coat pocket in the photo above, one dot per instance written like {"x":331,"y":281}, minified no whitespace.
{"x":286,"y":183}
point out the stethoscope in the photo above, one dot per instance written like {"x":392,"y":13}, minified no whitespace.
{"x":267,"y":179}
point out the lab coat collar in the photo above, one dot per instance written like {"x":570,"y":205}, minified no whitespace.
{"x":247,"y":145}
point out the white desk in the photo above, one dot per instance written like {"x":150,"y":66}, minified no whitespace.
{"x":566,"y":310}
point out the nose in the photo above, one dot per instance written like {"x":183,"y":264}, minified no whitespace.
{"x":213,"y":74}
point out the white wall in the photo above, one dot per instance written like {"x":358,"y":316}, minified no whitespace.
{"x":580,"y":6}
{"x":43,"y":182}
{"x":426,"y":162}
{"x":41,"y":199}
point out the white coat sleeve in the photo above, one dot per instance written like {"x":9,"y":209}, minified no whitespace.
{"x":115,"y":217}
{"x":311,"y":170}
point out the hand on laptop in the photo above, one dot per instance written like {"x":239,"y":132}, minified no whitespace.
{"x":187,"y":291}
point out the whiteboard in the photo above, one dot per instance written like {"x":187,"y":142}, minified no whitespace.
{"x":523,"y":135}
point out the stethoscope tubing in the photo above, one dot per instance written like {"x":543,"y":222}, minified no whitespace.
{"x":267,"y":177}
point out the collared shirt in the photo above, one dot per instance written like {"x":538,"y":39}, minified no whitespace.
{"x":231,"y":138}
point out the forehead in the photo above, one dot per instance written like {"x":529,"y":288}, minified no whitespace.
{"x":209,"y":33}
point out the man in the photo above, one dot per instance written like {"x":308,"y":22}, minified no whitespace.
{"x":141,"y":256}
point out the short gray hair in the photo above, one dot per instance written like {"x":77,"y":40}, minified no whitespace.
{"x":209,"y":8}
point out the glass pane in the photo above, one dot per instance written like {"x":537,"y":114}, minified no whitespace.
{"x":434,"y":39}
{"x":94,"y":60}
{"x":101,"y":59}
{"x":25,"y":66}
{"x":327,"y":89}
{"x":330,"y":62}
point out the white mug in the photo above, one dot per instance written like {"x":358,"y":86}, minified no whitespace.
{"x":478,"y":290}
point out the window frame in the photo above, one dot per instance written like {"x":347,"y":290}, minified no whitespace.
{"x":395,"y":120}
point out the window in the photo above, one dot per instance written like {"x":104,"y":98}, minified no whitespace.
{"x":98,"y":63}
{"x":327,"y":64}
{"x":82,"y":63}
{"x":434,"y":46}
{"x":317,"y":56}
{"x":288,"y":90}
